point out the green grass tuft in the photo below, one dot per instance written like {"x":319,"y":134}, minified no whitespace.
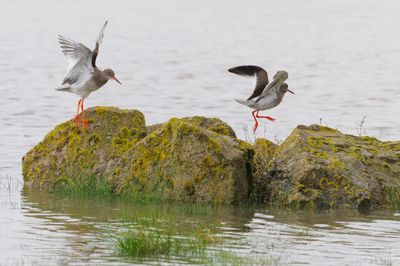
{"x":98,"y":187}
{"x":195,"y":250}
{"x":140,"y":243}
{"x":393,"y":198}
{"x":85,"y":186}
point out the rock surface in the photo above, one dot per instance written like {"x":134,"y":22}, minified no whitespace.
{"x":200,"y":159}
{"x":318,"y":166}
{"x":191,"y":159}
{"x":68,"y":151}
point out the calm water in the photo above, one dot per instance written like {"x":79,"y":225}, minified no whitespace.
{"x":172,"y":56}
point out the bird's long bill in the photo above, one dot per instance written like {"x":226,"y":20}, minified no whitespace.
{"x":290,"y":91}
{"x":114,"y":78}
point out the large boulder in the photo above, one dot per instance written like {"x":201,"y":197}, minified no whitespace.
{"x":190,"y":162}
{"x":318,"y":166}
{"x":191,"y":159}
{"x":68,"y":150}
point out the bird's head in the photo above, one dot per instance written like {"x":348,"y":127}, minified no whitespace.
{"x":109,"y":73}
{"x":284,"y":88}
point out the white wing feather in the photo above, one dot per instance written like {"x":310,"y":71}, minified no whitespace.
{"x":76,"y":53}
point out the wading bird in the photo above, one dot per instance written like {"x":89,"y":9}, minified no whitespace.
{"x":83,"y":76}
{"x":265,"y":96}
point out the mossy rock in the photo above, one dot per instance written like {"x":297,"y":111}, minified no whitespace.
{"x":68,"y":150}
{"x":188,"y":161}
{"x":321,"y":167}
{"x":213,"y":124}
{"x":264,"y":153}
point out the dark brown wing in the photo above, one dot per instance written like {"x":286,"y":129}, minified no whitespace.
{"x":253,"y":71}
{"x":98,"y":42}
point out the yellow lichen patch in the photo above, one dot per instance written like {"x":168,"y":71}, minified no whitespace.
{"x":94,"y":139}
{"x":212,"y":124}
{"x":73,"y":145}
{"x":334,"y":186}
{"x":323,"y":183}
{"x":124,"y":133}
{"x":115,"y":119}
{"x":320,"y":142}
{"x":100,"y":110}
{"x":335,"y":164}
{"x":214,"y":145}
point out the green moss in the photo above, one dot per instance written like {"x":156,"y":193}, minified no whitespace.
{"x":323,"y":183}
{"x":214,"y":145}
{"x":100,"y":110}
{"x":335,"y":164}
{"x":212,"y":124}
{"x":115,"y":119}
{"x":94,"y":139}
{"x":124,"y":133}
{"x":319,"y":142}
{"x":333,"y":186}
{"x":320,"y":154}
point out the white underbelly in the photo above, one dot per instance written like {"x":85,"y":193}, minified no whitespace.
{"x":266,"y":103}
{"x":83,"y":89}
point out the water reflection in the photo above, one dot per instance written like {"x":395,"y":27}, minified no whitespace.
{"x":84,"y":227}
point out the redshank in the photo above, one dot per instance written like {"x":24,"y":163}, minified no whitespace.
{"x":265,"y":96}
{"x":83,"y":76}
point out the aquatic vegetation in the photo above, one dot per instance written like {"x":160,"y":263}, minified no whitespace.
{"x":393,"y":197}
{"x":84,"y":186}
{"x":158,"y":232}
{"x":99,"y":187}
{"x":141,"y":243}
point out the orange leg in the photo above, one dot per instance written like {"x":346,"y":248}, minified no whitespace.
{"x":84,"y":123}
{"x":265,"y":116}
{"x":77,"y":113}
{"x":255,"y":116}
{"x":255,"y":120}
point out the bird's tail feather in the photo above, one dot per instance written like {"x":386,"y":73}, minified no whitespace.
{"x":244,"y":102}
{"x":65,"y":87}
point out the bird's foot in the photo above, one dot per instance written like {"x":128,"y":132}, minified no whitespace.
{"x":84,"y":123}
{"x":270,"y":118}
{"x":76,"y":118}
{"x":267,"y":117}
